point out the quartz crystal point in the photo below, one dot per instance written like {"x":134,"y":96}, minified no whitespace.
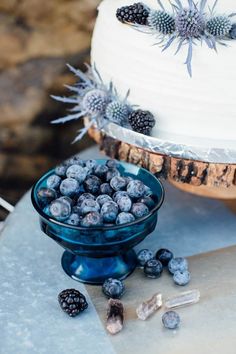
{"x":115,"y":316}
{"x":187,"y":298}
{"x":147,"y":308}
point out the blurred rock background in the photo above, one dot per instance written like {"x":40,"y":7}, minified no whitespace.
{"x":37,"y":39}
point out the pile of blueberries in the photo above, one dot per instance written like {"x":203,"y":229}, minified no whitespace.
{"x":85,"y":193}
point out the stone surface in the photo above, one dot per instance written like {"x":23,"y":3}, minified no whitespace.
{"x":149,"y":307}
{"x":186,"y":298}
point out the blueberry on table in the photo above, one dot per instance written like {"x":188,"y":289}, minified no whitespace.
{"x":124,"y":218}
{"x":109,"y":211}
{"x":153,"y":268}
{"x":60,"y":210}
{"x":53,"y":181}
{"x":164,"y":256}
{"x":124,"y":203}
{"x":136,"y":189}
{"x":113,"y":288}
{"x":105,"y":188}
{"x":77,"y":172}
{"x":103,"y":198}
{"x":117,"y":195}
{"x":139,"y":210}
{"x":148,"y":201}
{"x":92,"y":184}
{"x":72,"y":302}
{"x":89,"y":205}
{"x":181,"y":278}
{"x":118,"y":183}
{"x":92,"y":219}
{"x":178,"y":263}
{"x":84,"y":196}
{"x":112,"y":172}
{"x":144,"y":256}
{"x":101,"y":171}
{"x":69,"y":187}
{"x":73,"y":219}
{"x":46,"y":196}
{"x":171,"y":320}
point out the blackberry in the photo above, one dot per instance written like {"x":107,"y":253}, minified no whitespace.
{"x":72,"y":302}
{"x":136,"y":13}
{"x":142,"y":121}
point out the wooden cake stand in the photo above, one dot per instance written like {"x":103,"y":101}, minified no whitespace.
{"x":215,"y":180}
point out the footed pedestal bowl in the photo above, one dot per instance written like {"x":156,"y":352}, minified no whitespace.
{"x":96,"y":253}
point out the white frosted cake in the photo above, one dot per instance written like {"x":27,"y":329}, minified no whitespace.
{"x":198,"y":110}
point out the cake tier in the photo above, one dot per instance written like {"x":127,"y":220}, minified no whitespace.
{"x":197,"y":111}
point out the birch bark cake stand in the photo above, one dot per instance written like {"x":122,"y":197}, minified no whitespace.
{"x":204,"y":178}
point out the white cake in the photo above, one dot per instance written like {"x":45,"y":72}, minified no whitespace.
{"x":198,"y":111}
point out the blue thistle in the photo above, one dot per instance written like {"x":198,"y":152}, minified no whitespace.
{"x":232,"y":32}
{"x":117,"y":112}
{"x":190,"y":23}
{"x":161,"y":21}
{"x":95,"y":101}
{"x":219,"y":26}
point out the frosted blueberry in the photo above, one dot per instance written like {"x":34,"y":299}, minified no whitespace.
{"x":139,"y":210}
{"x":119,"y":194}
{"x":53,"y":181}
{"x":61,"y":170}
{"x":171,"y":320}
{"x":136,"y":189}
{"x":69,"y":187}
{"x":113,"y":288}
{"x":181,"y":277}
{"x":112,"y":163}
{"x":164,"y":256}
{"x":153,"y":268}
{"x":112,"y":172}
{"x":83,"y":197}
{"x":73,"y":219}
{"x":91,"y":219}
{"x":92,"y":184}
{"x":124,"y":203}
{"x":105,"y":188}
{"x":148,"y":201}
{"x":75,"y":160}
{"x":60,"y":210}
{"x":77,"y":172}
{"x":177,"y":264}
{"x":101,"y":171}
{"x":67,"y":200}
{"x":109,"y":211}
{"x":91,"y":164}
{"x":89,"y":205}
{"x":124,"y":218}
{"x":143,"y":256}
{"x":103,"y":198}
{"x":118,"y":183}
{"x":45,"y":196}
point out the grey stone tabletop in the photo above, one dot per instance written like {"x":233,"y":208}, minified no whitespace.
{"x":31,"y":275}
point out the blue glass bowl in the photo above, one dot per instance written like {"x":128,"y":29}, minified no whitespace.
{"x":97,"y":253}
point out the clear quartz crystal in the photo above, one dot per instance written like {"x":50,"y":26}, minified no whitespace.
{"x":187,"y":298}
{"x":147,"y":308}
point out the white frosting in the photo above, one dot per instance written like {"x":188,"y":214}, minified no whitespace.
{"x":201,"y":109}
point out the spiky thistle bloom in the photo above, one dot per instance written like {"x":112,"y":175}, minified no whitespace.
{"x":118,"y":112}
{"x":232,"y":32}
{"x":190,"y":23}
{"x":219,"y":26}
{"x":161,"y":21}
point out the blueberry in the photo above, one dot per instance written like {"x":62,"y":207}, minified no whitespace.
{"x":103,"y":198}
{"x":181,"y":277}
{"x":84,"y":196}
{"x":73,"y":219}
{"x":124,"y":218}
{"x":89,"y":205}
{"x":113,"y":288}
{"x":61,"y":170}
{"x":105,"y":188}
{"x":112,"y":172}
{"x":139,"y":210}
{"x":69,"y":187}
{"x":77,"y":172}
{"x":143,"y":256}
{"x":164,"y":256}
{"x":46,"y":196}
{"x":112,"y":163}
{"x":91,"y":164}
{"x":136,"y":189}
{"x":101,"y":171}
{"x":118,"y":183}
{"x":53,"y":181}
{"x":92,"y":184}
{"x":76,"y":210}
{"x":67,"y":200}
{"x":177,"y":264}
{"x":75,"y":160}
{"x":109,"y":211}
{"x":124,"y":203}
{"x":60,"y":210}
{"x":153,"y":268}
{"x":91,"y":219}
{"x":171,"y":320}
{"x":118,"y":195}
{"x":148,"y":201}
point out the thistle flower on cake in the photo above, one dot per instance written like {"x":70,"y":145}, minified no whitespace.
{"x":185,"y":25}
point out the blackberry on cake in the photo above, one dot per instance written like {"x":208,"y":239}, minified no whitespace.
{"x":142,"y":121}
{"x":136,"y":13}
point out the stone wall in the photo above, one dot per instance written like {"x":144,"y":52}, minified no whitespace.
{"x":37,"y":39}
